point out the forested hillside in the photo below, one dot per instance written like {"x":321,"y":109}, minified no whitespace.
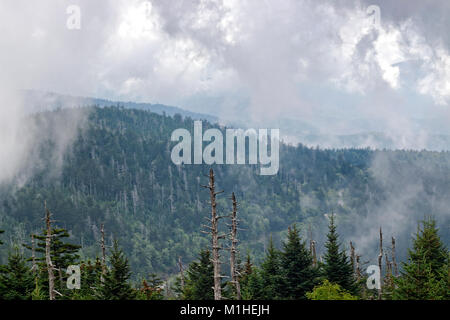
{"x":118,"y":172}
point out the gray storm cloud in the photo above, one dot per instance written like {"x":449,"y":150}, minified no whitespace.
{"x":323,"y":64}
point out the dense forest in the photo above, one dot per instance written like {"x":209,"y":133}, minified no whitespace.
{"x":116,"y":190}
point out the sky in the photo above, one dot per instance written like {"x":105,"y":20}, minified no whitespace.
{"x":303,"y":66}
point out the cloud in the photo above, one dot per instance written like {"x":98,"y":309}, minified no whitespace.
{"x":257,"y":61}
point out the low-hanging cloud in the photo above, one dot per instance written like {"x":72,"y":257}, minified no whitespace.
{"x":326,"y":63}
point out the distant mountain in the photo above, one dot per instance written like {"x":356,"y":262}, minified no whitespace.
{"x":37,"y":101}
{"x":119,"y":173}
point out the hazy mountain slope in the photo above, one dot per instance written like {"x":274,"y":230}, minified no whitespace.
{"x":118,"y":172}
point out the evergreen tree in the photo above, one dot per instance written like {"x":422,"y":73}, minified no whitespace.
{"x":270,"y":272}
{"x":90,"y":281}
{"x":299,"y":276}
{"x":16,"y":279}
{"x":253,"y":286}
{"x":337,"y":267}
{"x":62,"y":254}
{"x":151,"y":288}
{"x":115,"y":285}
{"x":425,"y":275}
{"x":199,"y":280}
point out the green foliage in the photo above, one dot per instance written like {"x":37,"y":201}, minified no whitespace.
{"x":62,"y":254}
{"x":271,"y":273}
{"x":90,"y":281}
{"x":337,"y":268}
{"x":199,"y":280}
{"x":329,"y":291}
{"x":119,"y":173}
{"x":151,"y":289}
{"x":425,"y":276}
{"x":16,"y":279}
{"x":116,"y":285}
{"x":37,"y":293}
{"x":299,"y":276}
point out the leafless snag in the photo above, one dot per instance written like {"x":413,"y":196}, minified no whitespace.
{"x":33,"y":254}
{"x":50,"y":267}
{"x":180,"y":265}
{"x":214,"y":231}
{"x":352,"y":256}
{"x":233,"y":249}
{"x":313,"y":253}
{"x":380,"y":259}
{"x":103,"y":246}
{"x":394,"y":260}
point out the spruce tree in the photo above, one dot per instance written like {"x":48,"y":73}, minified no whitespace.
{"x":16,"y":279}
{"x":425,"y":275}
{"x":253,"y":286}
{"x":337,"y":267}
{"x":270,"y":272}
{"x":298,"y":274}
{"x":199,"y":280}
{"x":90,"y":281}
{"x":62,"y":254}
{"x":151,"y":288}
{"x":115,"y":285}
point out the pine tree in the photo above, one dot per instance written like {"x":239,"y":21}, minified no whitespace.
{"x":270,"y":272}
{"x":90,"y":284}
{"x":425,"y":275}
{"x":298,"y":274}
{"x":200,"y":279}
{"x":151,"y":288}
{"x":62,"y":254}
{"x":337,"y":267}
{"x":116,"y":286}
{"x":253,"y":286}
{"x":16,"y":279}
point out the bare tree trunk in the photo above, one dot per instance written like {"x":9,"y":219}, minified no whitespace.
{"x":180,"y":265}
{"x":51,"y":276}
{"x":313,"y":253}
{"x":233,"y":250}
{"x":380,"y":259}
{"x":394,"y":261}
{"x":102,"y":230}
{"x":352,"y":256}
{"x":388,"y":276}
{"x":33,"y":254}
{"x":358,"y":268}
{"x":214,"y":230}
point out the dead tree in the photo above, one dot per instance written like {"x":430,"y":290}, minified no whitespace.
{"x":48,"y":260}
{"x":313,"y":253}
{"x":352,"y":256}
{"x":233,"y":249}
{"x":358,"y":268}
{"x":33,"y":254}
{"x":102,"y":231}
{"x":215,"y":237}
{"x":180,"y":265}
{"x":388,"y":276}
{"x":394,"y":261}
{"x":380,"y":259}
